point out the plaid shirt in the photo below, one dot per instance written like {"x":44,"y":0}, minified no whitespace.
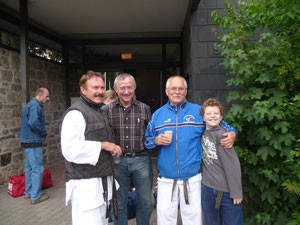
{"x":129,"y":124}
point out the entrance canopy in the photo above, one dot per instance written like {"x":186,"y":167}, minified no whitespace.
{"x":100,"y":18}
{"x":93,"y":34}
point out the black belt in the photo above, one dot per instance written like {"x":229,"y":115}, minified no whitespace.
{"x":135,"y":154}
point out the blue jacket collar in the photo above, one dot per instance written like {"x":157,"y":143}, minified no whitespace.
{"x":37,"y":101}
{"x":181,"y":105}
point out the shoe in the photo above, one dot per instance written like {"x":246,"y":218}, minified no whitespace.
{"x":41,"y":199}
{"x":28,"y":196}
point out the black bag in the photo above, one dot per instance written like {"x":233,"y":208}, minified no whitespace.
{"x":131,"y":203}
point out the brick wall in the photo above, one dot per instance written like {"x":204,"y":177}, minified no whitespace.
{"x":43,"y":73}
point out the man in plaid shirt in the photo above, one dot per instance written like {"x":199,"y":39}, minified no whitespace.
{"x":129,"y":119}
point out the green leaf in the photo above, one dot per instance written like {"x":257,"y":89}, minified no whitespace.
{"x":234,"y":95}
{"x":264,"y":151}
{"x":263,"y":78}
{"x":264,"y":133}
{"x":273,"y":61}
{"x":283,"y":126}
{"x":236,"y":109}
{"x":235,"y":81}
{"x":255,"y":93}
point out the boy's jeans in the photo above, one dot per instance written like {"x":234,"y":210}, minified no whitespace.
{"x":34,"y":170}
{"x":229,"y":213}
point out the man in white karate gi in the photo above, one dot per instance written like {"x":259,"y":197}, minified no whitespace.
{"x":88,"y":147}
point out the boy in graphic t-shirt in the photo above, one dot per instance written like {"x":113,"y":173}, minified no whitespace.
{"x":221,"y":190}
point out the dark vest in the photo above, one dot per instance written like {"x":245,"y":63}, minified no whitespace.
{"x":97,"y":129}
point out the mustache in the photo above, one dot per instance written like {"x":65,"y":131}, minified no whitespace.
{"x":99,"y":95}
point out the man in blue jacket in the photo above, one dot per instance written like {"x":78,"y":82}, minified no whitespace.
{"x":32,"y":135}
{"x":179,"y":157}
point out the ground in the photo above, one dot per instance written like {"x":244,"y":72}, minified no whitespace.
{"x":19,"y":211}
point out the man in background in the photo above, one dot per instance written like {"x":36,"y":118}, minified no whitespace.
{"x":32,"y":135}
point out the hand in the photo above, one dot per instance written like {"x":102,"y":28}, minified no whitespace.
{"x":163,"y":139}
{"x":112,"y":148}
{"x":229,"y":140}
{"x":237,"y":201}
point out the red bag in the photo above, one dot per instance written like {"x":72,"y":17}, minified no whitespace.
{"x":47,"y":181}
{"x":16,"y":186}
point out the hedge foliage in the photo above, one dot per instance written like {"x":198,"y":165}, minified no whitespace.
{"x":261,"y":49}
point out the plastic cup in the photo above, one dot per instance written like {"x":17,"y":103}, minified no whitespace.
{"x":169,"y":133}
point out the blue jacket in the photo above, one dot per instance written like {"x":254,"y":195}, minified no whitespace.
{"x":33,"y":128}
{"x":182,"y":158}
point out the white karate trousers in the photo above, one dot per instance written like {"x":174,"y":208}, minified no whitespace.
{"x":95,"y":216}
{"x":167,"y":205}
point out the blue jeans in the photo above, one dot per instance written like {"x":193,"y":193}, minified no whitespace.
{"x":34,"y":170}
{"x":229,"y":213}
{"x":139,"y":170}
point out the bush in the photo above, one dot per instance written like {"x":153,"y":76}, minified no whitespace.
{"x":261,"y":49}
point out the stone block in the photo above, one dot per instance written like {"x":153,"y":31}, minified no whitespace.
{"x":15,"y":61}
{"x":195,"y":33}
{"x":5,"y":159}
{"x":201,"y":96}
{"x":18,"y":157}
{"x":2,"y":179}
{"x":57,"y":115}
{"x":214,"y":50}
{"x":12,"y":173}
{"x":207,"y":66}
{"x":4,"y":62}
{"x":199,"y":17}
{"x":3,"y":91}
{"x":207,"y":33}
{"x":11,"y":97}
{"x":206,"y":4}
{"x":221,"y":4}
{"x":212,"y":82}
{"x":52,"y":142}
{"x":51,"y":156}
{"x":16,"y":87}
{"x":7,"y":75}
{"x":17,"y":113}
{"x":199,"y":49}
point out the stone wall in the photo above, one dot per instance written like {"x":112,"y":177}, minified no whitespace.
{"x":43,"y":73}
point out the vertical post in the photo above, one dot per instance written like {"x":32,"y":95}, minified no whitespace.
{"x":164,"y":73}
{"x":65,"y":51}
{"x":181,"y":57}
{"x":24,"y":51}
{"x":84,"y":58}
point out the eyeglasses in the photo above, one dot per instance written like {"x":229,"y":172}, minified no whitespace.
{"x":129,"y":88}
{"x":180,"y":89}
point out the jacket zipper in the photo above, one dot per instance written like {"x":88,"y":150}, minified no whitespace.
{"x":177,"y":143}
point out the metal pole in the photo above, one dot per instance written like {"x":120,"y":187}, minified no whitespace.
{"x":24,"y":51}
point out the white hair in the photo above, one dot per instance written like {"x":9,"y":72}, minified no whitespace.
{"x":174,"y":76}
{"x":123,"y":76}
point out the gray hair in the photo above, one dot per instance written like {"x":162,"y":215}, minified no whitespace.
{"x":123,"y":76}
{"x":40,"y":90}
{"x":174,"y":76}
